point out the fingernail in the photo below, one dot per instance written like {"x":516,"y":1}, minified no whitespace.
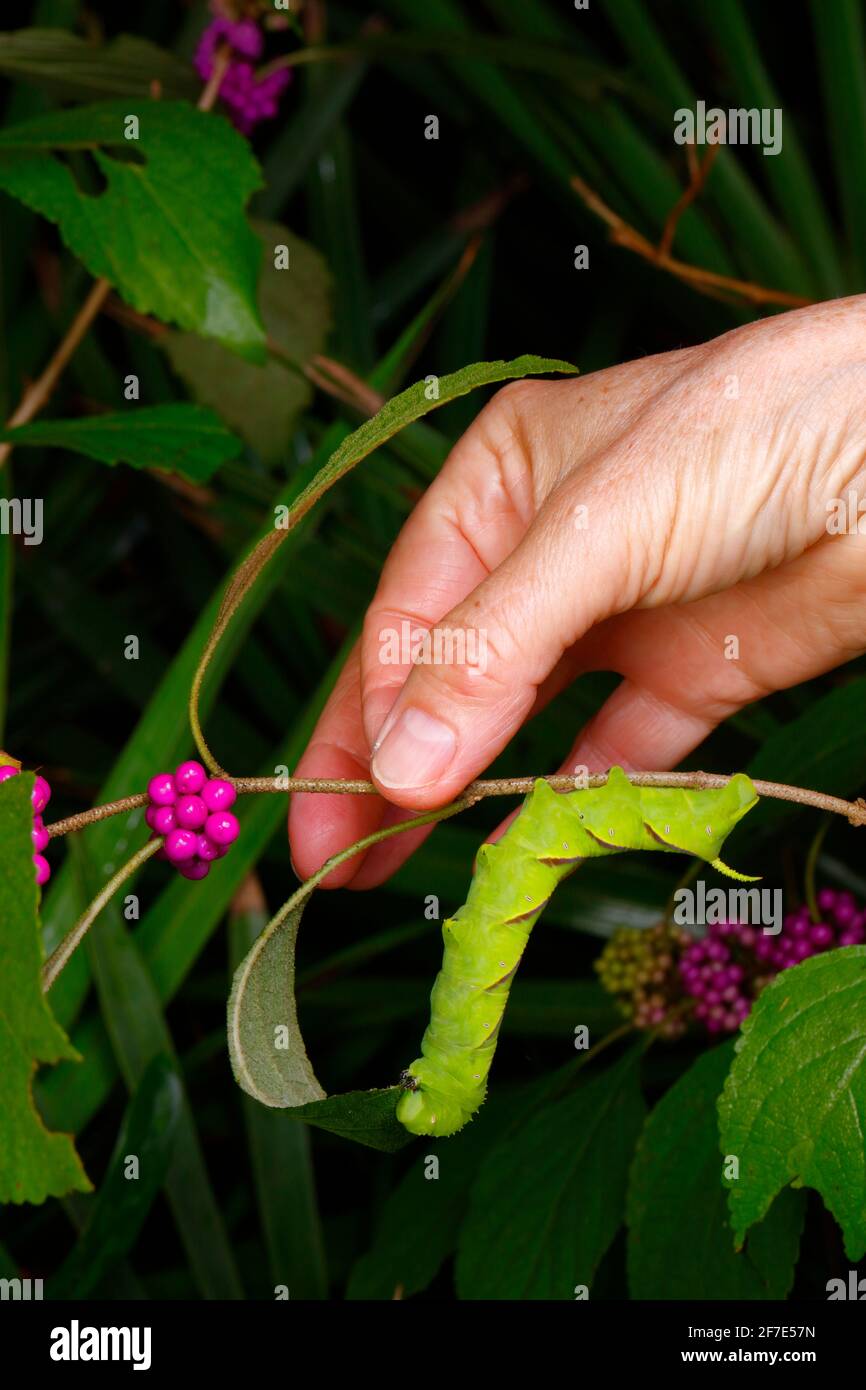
{"x":377,"y":708}
{"x":415,"y":751}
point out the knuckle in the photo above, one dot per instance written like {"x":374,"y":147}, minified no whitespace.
{"x":470,"y":664}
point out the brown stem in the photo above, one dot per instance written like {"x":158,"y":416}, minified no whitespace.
{"x":211,"y":91}
{"x":854,"y":811}
{"x":706,"y":281}
{"x":700,"y":170}
{"x":39,"y":392}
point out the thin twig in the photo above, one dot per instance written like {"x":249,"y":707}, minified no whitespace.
{"x":853,"y":811}
{"x":211,"y":91}
{"x":40,"y":391}
{"x":699,"y":170}
{"x":706,"y":281}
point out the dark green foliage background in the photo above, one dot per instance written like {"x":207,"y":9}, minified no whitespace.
{"x":346,"y":167}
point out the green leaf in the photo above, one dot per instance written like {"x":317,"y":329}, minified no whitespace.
{"x":548,"y":1201}
{"x":75,"y":69}
{"x":119,"y":1210}
{"x":267,"y":1052}
{"x":421,"y":1217}
{"x":34,"y":1164}
{"x":168,"y":231}
{"x":794,"y":1106}
{"x":367,"y":1117}
{"x":138,"y":1031}
{"x":679,"y":1239}
{"x":262,"y":403}
{"x":179,"y":438}
{"x":280,"y":1153}
{"x":416,"y":401}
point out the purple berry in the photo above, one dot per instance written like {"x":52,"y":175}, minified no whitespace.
{"x":206,"y":849}
{"x":162,"y":790}
{"x":180,"y":845}
{"x":43,"y":869}
{"x":189,"y":778}
{"x":7,"y":771}
{"x":845,"y":913}
{"x":191,"y":812}
{"x":821,"y":936}
{"x":218,"y":794}
{"x":41,"y":795}
{"x":222,"y":828}
{"x":39,"y":835}
{"x":164,"y":819}
{"x":194,"y":869}
{"x":160,"y":853}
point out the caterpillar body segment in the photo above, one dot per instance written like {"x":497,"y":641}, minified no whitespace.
{"x":514,"y":880}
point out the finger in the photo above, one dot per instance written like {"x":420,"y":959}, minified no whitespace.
{"x":451,"y":719}
{"x":321,"y":825}
{"x":472,"y":517}
{"x":688,"y":668}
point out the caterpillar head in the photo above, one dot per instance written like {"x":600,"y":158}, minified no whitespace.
{"x":425,"y":1109}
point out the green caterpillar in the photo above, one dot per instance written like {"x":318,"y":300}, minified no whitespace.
{"x":513,"y":882}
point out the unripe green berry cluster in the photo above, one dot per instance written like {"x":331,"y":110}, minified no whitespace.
{"x":641,"y":970}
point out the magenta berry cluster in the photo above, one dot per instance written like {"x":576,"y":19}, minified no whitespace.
{"x":193,"y":812}
{"x":40,"y":797}
{"x":247,"y":98}
{"x":727,"y":970}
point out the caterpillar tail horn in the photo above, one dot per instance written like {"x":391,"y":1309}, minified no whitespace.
{"x":732,"y":873}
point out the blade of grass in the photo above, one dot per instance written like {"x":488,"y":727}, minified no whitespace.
{"x":175,"y":931}
{"x":772,"y":257}
{"x":280,"y":1151}
{"x":788,"y":172}
{"x":336,"y":230}
{"x":618,"y":142}
{"x":138,"y":1031}
{"x":301,"y":141}
{"x":118,"y":1212}
{"x":840,"y":41}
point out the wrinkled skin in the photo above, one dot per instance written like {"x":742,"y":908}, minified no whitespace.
{"x":705,"y":475}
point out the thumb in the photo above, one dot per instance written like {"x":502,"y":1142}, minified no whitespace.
{"x":482,"y":664}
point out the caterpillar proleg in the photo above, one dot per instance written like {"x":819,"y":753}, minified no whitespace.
{"x":514,"y":880}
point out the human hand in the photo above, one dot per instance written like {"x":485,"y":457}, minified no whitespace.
{"x":635,"y":520}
